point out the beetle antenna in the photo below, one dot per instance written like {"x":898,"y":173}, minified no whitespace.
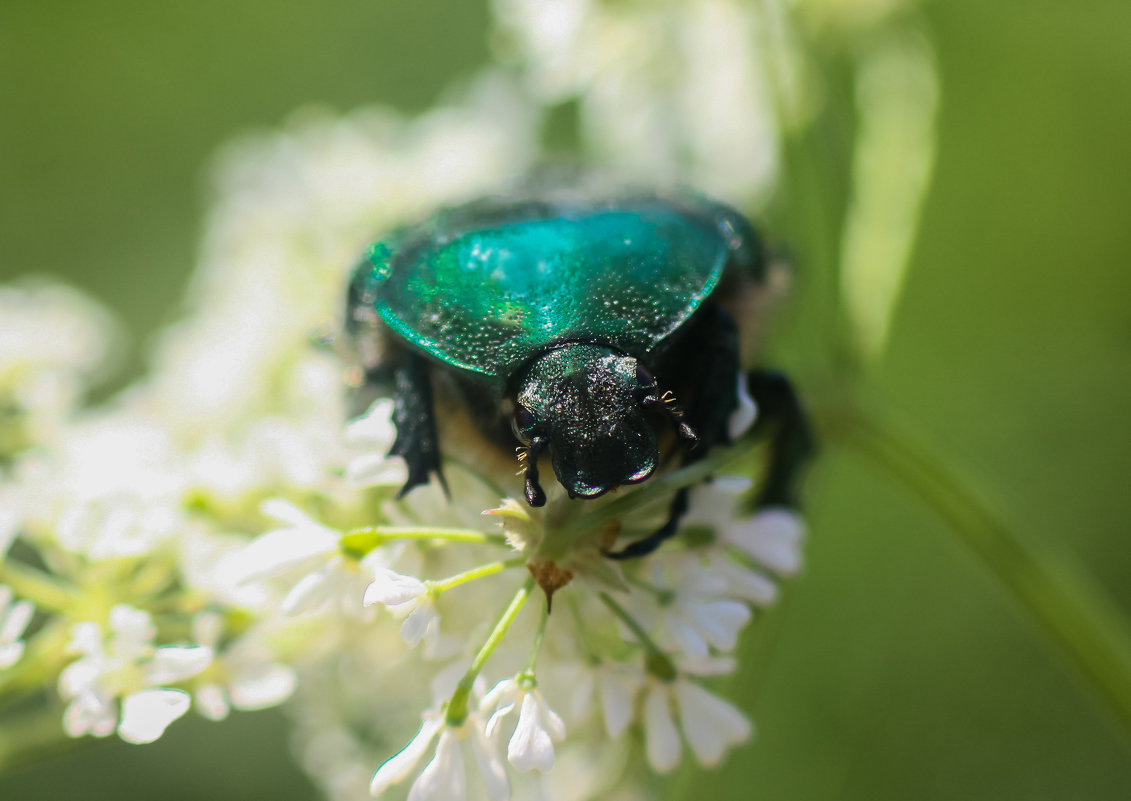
{"x":529,"y":458}
{"x":666,"y":404}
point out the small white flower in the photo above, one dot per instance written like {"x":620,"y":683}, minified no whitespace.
{"x":745,"y":413}
{"x":444,"y":778}
{"x":371,"y":436}
{"x":615,"y":687}
{"x":14,"y":619}
{"x":772,"y":537}
{"x":409,"y":600}
{"x":305,"y":554}
{"x":126,"y":666}
{"x":531,"y":746}
{"x":710,"y":724}
{"x":695,"y":616}
{"x":147,"y":713}
{"x":245,"y":675}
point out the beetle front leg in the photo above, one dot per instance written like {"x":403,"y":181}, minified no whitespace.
{"x":711,"y":349}
{"x":415,"y":418}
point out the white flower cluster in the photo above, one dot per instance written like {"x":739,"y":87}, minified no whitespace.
{"x":668,"y":91}
{"x":135,"y":573}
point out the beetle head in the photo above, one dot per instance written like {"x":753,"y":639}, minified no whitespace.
{"x":588,"y":403}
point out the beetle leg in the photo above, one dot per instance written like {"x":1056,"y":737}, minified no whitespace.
{"x":415,"y":419}
{"x":645,"y":546}
{"x":711,"y":349}
{"x":792,"y":443}
{"x":781,"y":415}
{"x":534,"y":494}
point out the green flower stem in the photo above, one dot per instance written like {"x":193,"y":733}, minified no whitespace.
{"x":457,"y":707}
{"x":443,"y":585}
{"x":1075,"y":613}
{"x":36,"y":586}
{"x":43,"y":659}
{"x":658,"y":663}
{"x":360,"y":541}
{"x":537,"y":646}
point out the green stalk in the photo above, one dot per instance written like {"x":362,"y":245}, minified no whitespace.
{"x":457,"y":707}
{"x":360,"y":541}
{"x":36,"y":586}
{"x":1078,"y":617}
{"x":528,"y":671}
{"x":489,"y":569}
{"x":657,"y":662}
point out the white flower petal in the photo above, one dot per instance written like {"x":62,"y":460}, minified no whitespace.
{"x":278,"y":552}
{"x":375,"y":427}
{"x":443,"y":778}
{"x":420,"y":622}
{"x":710,"y":723}
{"x":504,"y":691}
{"x":261,"y":686}
{"x":491,"y":768}
{"x":719,"y":622}
{"x":312,"y":590}
{"x":392,"y":589}
{"x":553,"y":723}
{"x":616,"y":702}
{"x":396,"y":768}
{"x":773,"y":537}
{"x":10,"y":654}
{"x":86,"y":639}
{"x":497,"y":718}
{"x":687,"y":638}
{"x":663,"y":745}
{"x":746,"y":412}
{"x":146,"y":714}
{"x":15,"y":622}
{"x":172,"y":663}
{"x":748,"y":585}
{"x":90,"y":713}
{"x":375,"y":470}
{"x":211,"y":701}
{"x":286,"y":512}
{"x":133,"y":628}
{"x":530,"y":746}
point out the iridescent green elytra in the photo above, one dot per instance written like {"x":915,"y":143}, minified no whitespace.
{"x":565,"y":321}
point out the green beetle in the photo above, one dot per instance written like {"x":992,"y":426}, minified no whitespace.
{"x":570,"y":324}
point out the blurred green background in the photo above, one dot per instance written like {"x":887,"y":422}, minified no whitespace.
{"x":895,"y":668}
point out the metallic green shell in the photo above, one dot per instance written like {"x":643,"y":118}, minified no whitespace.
{"x":484,"y":288}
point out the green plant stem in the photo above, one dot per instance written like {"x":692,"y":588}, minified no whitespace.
{"x":456,"y":712}
{"x":537,"y":645}
{"x":443,"y":585}
{"x":38,"y":587}
{"x":1076,"y":614}
{"x":360,"y":541}
{"x":657,"y":662}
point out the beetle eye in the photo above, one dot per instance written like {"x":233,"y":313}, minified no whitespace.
{"x":643,"y":377}
{"x":522,"y":422}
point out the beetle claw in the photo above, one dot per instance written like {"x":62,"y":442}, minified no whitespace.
{"x":534,"y":494}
